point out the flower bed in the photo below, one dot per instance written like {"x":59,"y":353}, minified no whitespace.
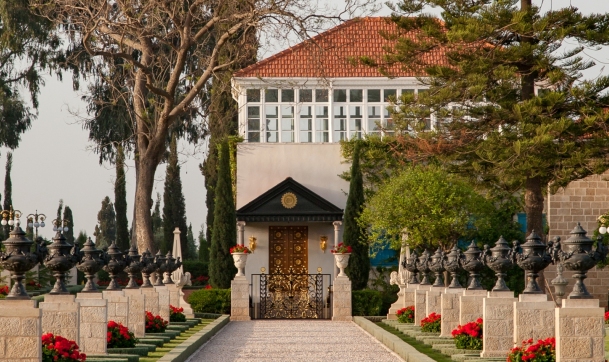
{"x":406,"y":315}
{"x":606,"y":317}
{"x":469,"y":336}
{"x":4,"y":290}
{"x":240,"y":249}
{"x":155,"y":324}
{"x":119,"y":336}
{"x":542,"y":351}
{"x":176,"y":314}
{"x":59,"y":349}
{"x":342,"y":249}
{"x":431,"y":323}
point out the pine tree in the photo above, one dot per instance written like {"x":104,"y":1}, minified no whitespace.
{"x":224,"y":235}
{"x":354,"y":235}
{"x":491,"y":125}
{"x":192,"y":247}
{"x":105,"y":230}
{"x":203,"y":246}
{"x":174,"y":206}
{"x":67,"y":215}
{"x":120,"y":201}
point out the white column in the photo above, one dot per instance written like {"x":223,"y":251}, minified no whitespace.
{"x":241,"y":229}
{"x":337,"y":225}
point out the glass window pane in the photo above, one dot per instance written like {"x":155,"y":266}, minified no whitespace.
{"x":287,"y":95}
{"x":340,"y":124}
{"x":355,"y":111}
{"x":322,"y":136}
{"x":306,"y":124}
{"x":374,"y":95}
{"x":340,"y":112}
{"x":306,"y":112}
{"x":340,"y":95}
{"x":253,"y":112}
{"x":271,"y":95}
{"x":271,"y":137}
{"x":322,"y":124}
{"x":306,"y":137}
{"x":321,"y":95}
{"x":253,"y":124}
{"x":321,"y":111}
{"x":356,"y":95}
{"x":271,"y":111}
{"x":287,"y":112}
{"x":271,"y":124}
{"x":253,"y":136}
{"x":287,"y":124}
{"x":389,"y":94}
{"x":306,"y":95}
{"x":287,"y":136}
{"x":253,"y":95}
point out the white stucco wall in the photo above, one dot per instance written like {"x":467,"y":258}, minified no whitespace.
{"x":316,"y":166}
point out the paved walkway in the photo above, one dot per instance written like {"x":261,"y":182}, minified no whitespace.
{"x":299,"y":341}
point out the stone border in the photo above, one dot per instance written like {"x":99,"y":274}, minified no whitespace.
{"x":189,"y":346}
{"x":391,"y":341}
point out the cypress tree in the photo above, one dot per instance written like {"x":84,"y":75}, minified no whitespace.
{"x":59,"y":212}
{"x":8,"y":188}
{"x":354,"y":234}
{"x":105,"y":231}
{"x":67,"y":215}
{"x":174,"y":206}
{"x":192,"y":247}
{"x":224,"y":235}
{"x":157,"y":223}
{"x":203,"y":246}
{"x":120,"y":201}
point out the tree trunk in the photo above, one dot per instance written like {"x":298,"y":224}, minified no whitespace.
{"x":533,"y":205}
{"x":143,"y":204}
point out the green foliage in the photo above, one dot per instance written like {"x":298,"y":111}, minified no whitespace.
{"x":203,"y":246}
{"x":492,"y":126}
{"x":196,"y":268}
{"x":355,"y":234}
{"x":67,"y":215}
{"x":8,"y":188}
{"x":192,"y":246}
{"x":105,"y":231}
{"x":366,"y":302}
{"x":82,"y":238}
{"x":174,"y":206}
{"x":120,"y":201}
{"x":464,"y":341}
{"x":224,"y":236}
{"x":210,"y":301}
{"x":389,"y":293}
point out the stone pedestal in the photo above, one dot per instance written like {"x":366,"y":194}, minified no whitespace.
{"x":470,"y":305}
{"x":60,"y":316}
{"x":341,"y":299}
{"x":432,"y":301}
{"x":420,"y":305}
{"x":449,"y":309}
{"x":137,"y":311}
{"x":163,"y":301}
{"x":20,"y":331}
{"x":580,"y":331}
{"x":405,"y":299}
{"x":498,"y":327}
{"x":239,"y":299}
{"x":533,"y":318}
{"x":93,"y":325}
{"x":188,"y":312}
{"x":152,"y":300}
{"x":118,"y":306}
{"x":174,"y":294}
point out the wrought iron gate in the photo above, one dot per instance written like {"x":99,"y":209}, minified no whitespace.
{"x":291,"y":295}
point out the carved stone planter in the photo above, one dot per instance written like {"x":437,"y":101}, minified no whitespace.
{"x":451,"y":264}
{"x":116,"y":264}
{"x":499,"y":259}
{"x":472,"y":262}
{"x":436,"y":265}
{"x":62,"y":257}
{"x":423,"y":267}
{"x":342,"y":260}
{"x":532,"y":258}
{"x":240,"y":260}
{"x":91,"y":262}
{"x":410,"y":264}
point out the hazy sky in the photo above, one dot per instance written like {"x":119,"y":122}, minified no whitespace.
{"x":54,"y":162}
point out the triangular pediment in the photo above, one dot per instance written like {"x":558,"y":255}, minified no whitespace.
{"x":289,"y":201}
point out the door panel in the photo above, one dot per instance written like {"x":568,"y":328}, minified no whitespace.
{"x":288,"y":248}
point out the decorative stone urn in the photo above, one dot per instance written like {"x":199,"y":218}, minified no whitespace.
{"x":148,"y":267}
{"x":436,"y":265}
{"x":423,"y":267}
{"x":472,"y":263}
{"x":410,"y":264}
{"x":90,"y":263}
{"x":161,"y":263}
{"x":451,"y":264}
{"x":499,"y":259}
{"x":240,"y":260}
{"x":576,"y":254}
{"x":532,"y":258}
{"x":172,"y":265}
{"x":18,"y":259}
{"x":116,"y":264}
{"x":134,"y":266}
{"x":62,"y":257}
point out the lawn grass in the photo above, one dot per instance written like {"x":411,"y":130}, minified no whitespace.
{"x":418,"y":345}
{"x":167,"y":347}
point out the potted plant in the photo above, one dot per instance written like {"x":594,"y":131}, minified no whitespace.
{"x":119,"y":336}
{"x":542,"y":351}
{"x":155,"y":324}
{"x":176,"y":314}
{"x":468,"y":336}
{"x":431,"y":323}
{"x":341,"y":255}
{"x":240,"y":253}
{"x":406,"y":315}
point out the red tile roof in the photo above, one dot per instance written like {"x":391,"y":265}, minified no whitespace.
{"x":327,"y":54}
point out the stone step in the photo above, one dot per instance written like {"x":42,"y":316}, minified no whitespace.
{"x":450,"y":351}
{"x":164,"y":337}
{"x":463,"y":357}
{"x":494,"y":359}
{"x":151,"y":347}
{"x":127,"y":357}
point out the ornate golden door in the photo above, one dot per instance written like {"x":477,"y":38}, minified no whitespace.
{"x":288,"y":249}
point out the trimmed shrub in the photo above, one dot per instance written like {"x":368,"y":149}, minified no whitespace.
{"x":210,"y":301}
{"x":196,"y":268}
{"x":367,"y":302}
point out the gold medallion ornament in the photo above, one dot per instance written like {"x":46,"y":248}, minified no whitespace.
{"x":288,"y":200}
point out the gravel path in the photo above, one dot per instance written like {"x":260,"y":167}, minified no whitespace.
{"x":299,"y":341}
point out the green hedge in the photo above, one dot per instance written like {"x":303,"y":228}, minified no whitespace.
{"x":196,"y":268}
{"x":367,"y":302}
{"x":210,"y":301}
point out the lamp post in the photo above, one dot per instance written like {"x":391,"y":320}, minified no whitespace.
{"x":10,"y":217}
{"x":35,"y":221}
{"x":61,"y":225}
